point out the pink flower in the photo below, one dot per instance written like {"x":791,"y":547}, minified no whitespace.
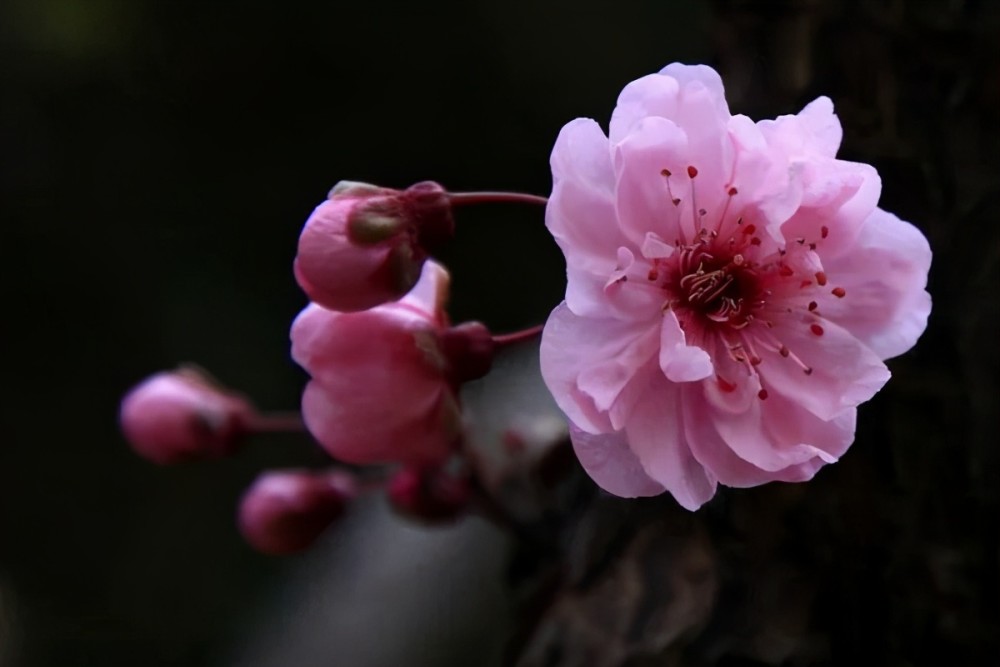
{"x":384,"y":381}
{"x":285,"y":511}
{"x":179,"y":416}
{"x":733,"y":290}
{"x":365,"y":244}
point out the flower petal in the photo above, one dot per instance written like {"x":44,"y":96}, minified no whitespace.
{"x":651,"y":95}
{"x":655,"y":433}
{"x":711,"y":451}
{"x":611,"y":464}
{"x":886,"y":309}
{"x":430,"y":294}
{"x":776,"y":433}
{"x":580,"y":213}
{"x":681,"y":362}
{"x":358,"y":425}
{"x":814,"y":131}
{"x":586,"y":362}
{"x":844,"y":371}
{"x":643,"y":198}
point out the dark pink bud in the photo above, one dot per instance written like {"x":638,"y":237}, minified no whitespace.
{"x":366,"y":245}
{"x":183,"y":415}
{"x":429,"y":494}
{"x":284,"y":512}
{"x":469,"y":350}
{"x":382,"y":388}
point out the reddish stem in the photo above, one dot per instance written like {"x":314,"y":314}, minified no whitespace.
{"x":459,"y":198}
{"x":517,"y":336}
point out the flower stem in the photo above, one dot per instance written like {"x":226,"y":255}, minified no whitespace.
{"x":276,"y":422}
{"x":459,"y":198}
{"x":517,"y":336}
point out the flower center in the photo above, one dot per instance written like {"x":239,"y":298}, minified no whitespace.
{"x":720,"y":289}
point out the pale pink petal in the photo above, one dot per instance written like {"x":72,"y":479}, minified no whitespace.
{"x":604,"y":377}
{"x":703,"y":116}
{"x":562,"y":360}
{"x":580,"y":213}
{"x":705,"y":77}
{"x":822,"y":126}
{"x":814,"y":131}
{"x":838,"y":196}
{"x":637,"y":387}
{"x":611,"y":464}
{"x":732,"y":389}
{"x":776,"y":433}
{"x":681,"y":362}
{"x":651,"y":95}
{"x":845,"y":372}
{"x":643,"y":199}
{"x":654,"y":247}
{"x":764,"y":178}
{"x":887,"y":308}
{"x":586,"y":362}
{"x":710,"y":450}
{"x":589,"y":295}
{"x":581,"y":154}
{"x":655,"y":433}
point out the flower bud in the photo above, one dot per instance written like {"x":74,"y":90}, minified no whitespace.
{"x":366,"y":245}
{"x":384,"y":381}
{"x":469,"y":349}
{"x":429,"y":494}
{"x":284,"y":512}
{"x":182,"y":415}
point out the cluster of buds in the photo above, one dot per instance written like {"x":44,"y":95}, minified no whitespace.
{"x":386,"y":366}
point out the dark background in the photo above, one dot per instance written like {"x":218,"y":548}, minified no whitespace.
{"x":157,"y":160}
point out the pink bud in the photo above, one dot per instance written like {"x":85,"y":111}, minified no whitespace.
{"x":182,"y":415}
{"x":283,"y":512}
{"x":469,"y":348}
{"x":384,"y":381}
{"x":429,"y":494}
{"x":366,"y":245}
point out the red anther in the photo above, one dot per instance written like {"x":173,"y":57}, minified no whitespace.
{"x":692,"y":172}
{"x":821,"y":278}
{"x":750,"y":229}
{"x":839,"y":292}
{"x":755,"y":241}
{"x":805,"y":283}
{"x":676,"y":201}
{"x":733,"y":192}
{"x":665,"y":172}
{"x":784,"y":351}
{"x":824,"y":231}
{"x":785,"y":271}
{"x":725,"y":385}
{"x":653,"y":274}
{"x":762,"y":394}
{"x":813,"y":306}
{"x":816,"y":329}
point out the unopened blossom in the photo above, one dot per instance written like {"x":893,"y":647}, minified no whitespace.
{"x":733,"y":291}
{"x":285,"y":511}
{"x":183,"y":415}
{"x":365,"y":245}
{"x":432,"y":495}
{"x":384,"y":381}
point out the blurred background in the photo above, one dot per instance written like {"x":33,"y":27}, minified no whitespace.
{"x":157,"y":161}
